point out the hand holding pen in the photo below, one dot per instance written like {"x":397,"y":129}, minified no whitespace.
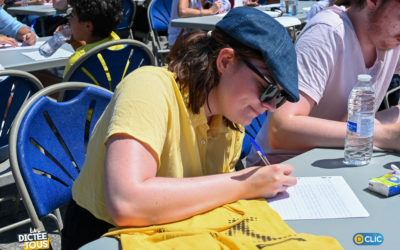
{"x":273,"y":179}
{"x":30,"y":37}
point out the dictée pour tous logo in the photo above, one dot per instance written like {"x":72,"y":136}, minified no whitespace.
{"x":34,"y":240}
{"x":368,"y":239}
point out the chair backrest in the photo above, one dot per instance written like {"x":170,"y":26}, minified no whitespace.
{"x":15,"y":87}
{"x":159,"y":14}
{"x":48,"y":144}
{"x":106,"y":67}
{"x":128,"y":15}
{"x":392,"y":96}
{"x":251,"y":132}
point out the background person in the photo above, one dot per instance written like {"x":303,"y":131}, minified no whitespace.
{"x":92,"y":23}
{"x":16,"y":3}
{"x":317,"y":7}
{"x":60,"y":4}
{"x":11,"y":29}
{"x":166,"y":146}
{"x":333,"y":48}
{"x":192,"y":8}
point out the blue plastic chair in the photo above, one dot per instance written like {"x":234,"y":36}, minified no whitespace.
{"x":48,"y":146}
{"x":106,"y":67}
{"x":251,"y":131}
{"x":159,"y":15}
{"x":15,"y":88}
{"x":128,"y":15}
{"x":392,"y":96}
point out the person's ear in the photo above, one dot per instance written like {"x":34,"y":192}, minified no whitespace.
{"x":226,"y":57}
{"x":89,"y":27}
{"x":373,"y":4}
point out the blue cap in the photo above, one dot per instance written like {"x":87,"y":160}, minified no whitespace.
{"x":261,"y":32}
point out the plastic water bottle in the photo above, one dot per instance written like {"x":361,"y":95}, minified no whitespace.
{"x":360,"y":123}
{"x":293,"y":7}
{"x":282,"y":5}
{"x":56,"y":41}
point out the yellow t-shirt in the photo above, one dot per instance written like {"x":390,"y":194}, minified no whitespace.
{"x":83,"y":49}
{"x":149,"y":106}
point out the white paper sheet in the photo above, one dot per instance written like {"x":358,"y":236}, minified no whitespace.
{"x":321,"y":197}
{"x":35,"y":55}
{"x":20,"y":46}
{"x":271,"y":13}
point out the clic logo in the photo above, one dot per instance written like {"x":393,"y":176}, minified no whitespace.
{"x":368,"y":239}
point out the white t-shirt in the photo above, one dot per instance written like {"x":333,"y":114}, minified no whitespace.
{"x":329,"y":58}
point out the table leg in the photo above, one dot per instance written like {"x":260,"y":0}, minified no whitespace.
{"x":43,"y":32}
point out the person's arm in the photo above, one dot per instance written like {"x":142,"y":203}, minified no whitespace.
{"x":185,"y":11}
{"x":136,"y":197}
{"x":292,"y":128}
{"x":60,"y":4}
{"x":30,"y":2}
{"x":251,"y":3}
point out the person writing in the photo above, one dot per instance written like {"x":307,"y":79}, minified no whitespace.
{"x":166,"y":146}
{"x":334,"y":47}
{"x":11,"y":29}
{"x":192,"y":8}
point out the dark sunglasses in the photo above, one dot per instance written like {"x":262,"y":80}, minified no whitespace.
{"x":69,"y":16}
{"x":271,"y":91}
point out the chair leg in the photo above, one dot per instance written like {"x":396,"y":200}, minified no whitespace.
{"x":59,"y":219}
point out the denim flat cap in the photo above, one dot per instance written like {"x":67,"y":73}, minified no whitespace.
{"x":261,"y":32}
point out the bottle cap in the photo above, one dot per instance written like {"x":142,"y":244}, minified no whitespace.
{"x":364,"y":78}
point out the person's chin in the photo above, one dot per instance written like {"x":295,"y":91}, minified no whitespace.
{"x":389,"y":46}
{"x":244,"y":121}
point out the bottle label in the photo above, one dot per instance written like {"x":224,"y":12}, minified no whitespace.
{"x":367,"y":127}
{"x":352,"y":126}
{"x":364,"y":126}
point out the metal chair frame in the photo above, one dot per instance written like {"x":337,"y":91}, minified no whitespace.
{"x":388,"y":93}
{"x":159,"y":15}
{"x":12,"y":99}
{"x":128,"y":11}
{"x":121,"y":67}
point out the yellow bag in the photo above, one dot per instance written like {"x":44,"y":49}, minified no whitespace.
{"x":245,"y":224}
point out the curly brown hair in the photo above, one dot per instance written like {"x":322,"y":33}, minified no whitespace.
{"x":195,"y":65}
{"x":104,"y":14}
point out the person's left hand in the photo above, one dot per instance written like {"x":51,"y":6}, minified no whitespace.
{"x":29,"y":38}
{"x":8,"y":40}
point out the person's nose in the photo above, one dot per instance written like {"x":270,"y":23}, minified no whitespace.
{"x":270,"y":105}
